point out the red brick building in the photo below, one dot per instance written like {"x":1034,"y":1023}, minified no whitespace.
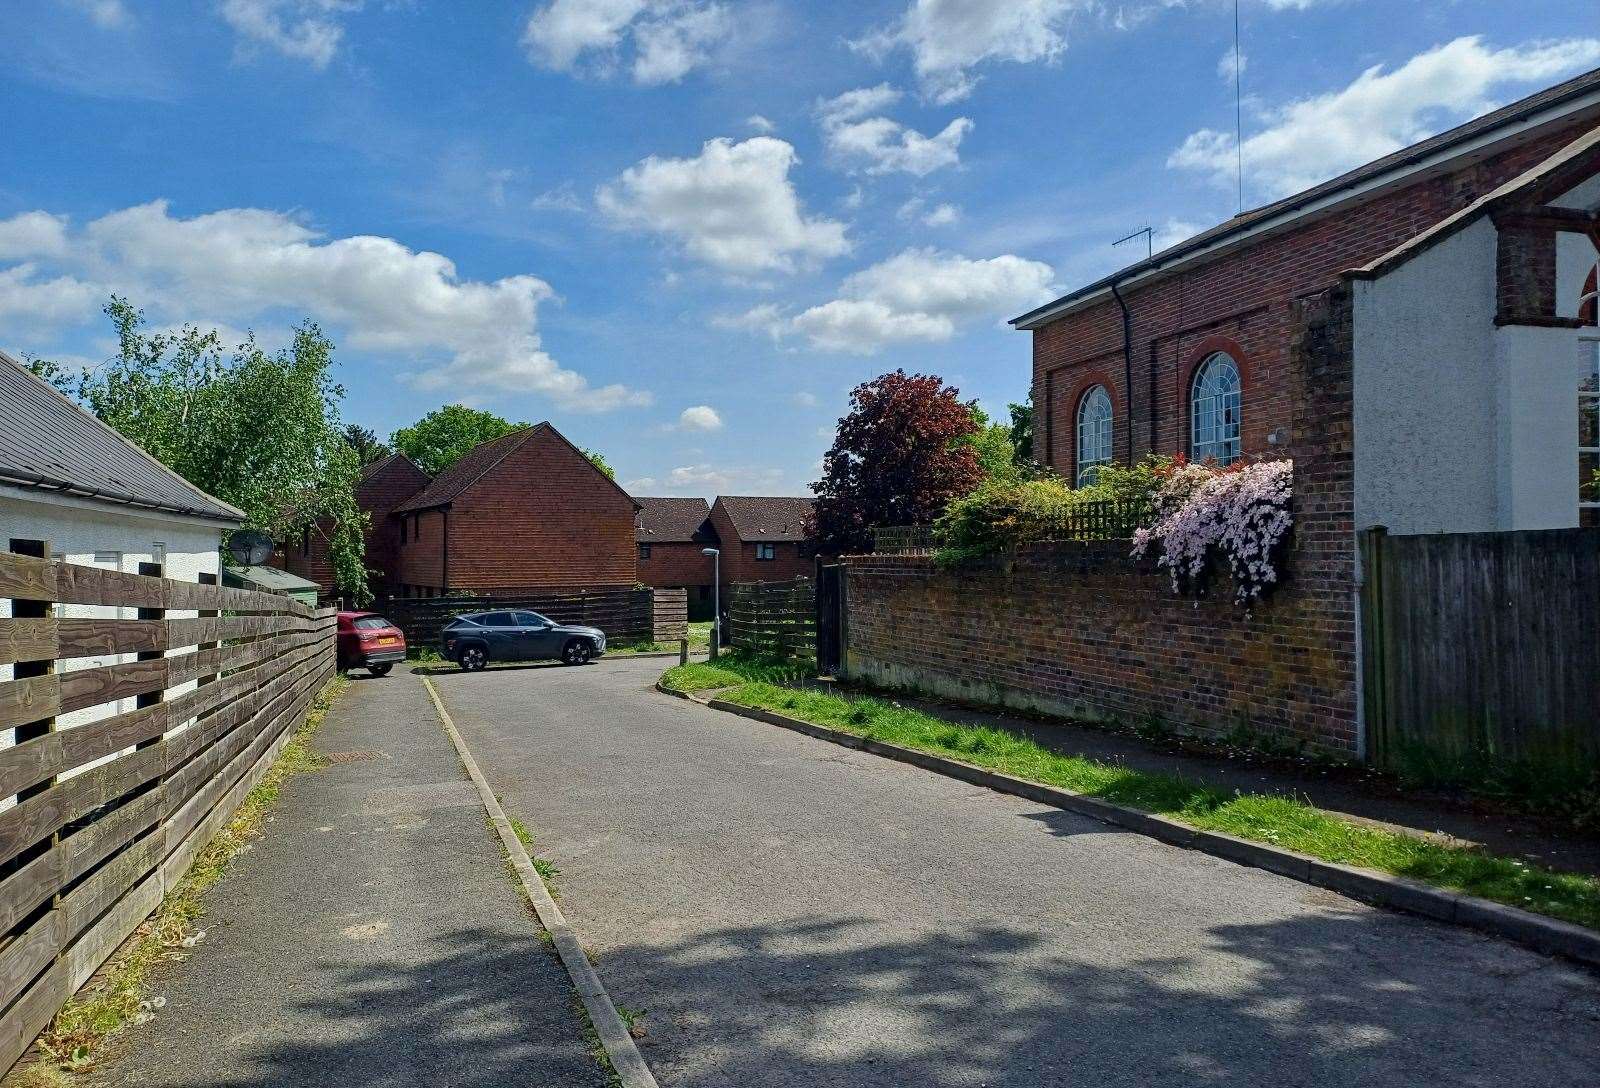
{"x":1417,"y":335}
{"x":383,"y":485}
{"x":1190,"y":350}
{"x":764,"y":538}
{"x":671,"y":535}
{"x":527,"y":511}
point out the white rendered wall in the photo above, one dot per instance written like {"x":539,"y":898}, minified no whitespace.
{"x":1537,"y":429}
{"x":121,"y":538}
{"x":1427,"y":391}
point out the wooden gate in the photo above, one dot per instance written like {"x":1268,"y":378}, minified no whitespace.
{"x":830,"y":617}
{"x":1482,"y":649}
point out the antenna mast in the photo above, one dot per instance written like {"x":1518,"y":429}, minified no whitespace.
{"x":1149,"y":240}
{"x":1238,"y":104}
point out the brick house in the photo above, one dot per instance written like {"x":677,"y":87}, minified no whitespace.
{"x":671,"y":535}
{"x":383,"y":485}
{"x":527,"y":511}
{"x":1418,"y":335}
{"x":1456,"y":270}
{"x":764,"y":538}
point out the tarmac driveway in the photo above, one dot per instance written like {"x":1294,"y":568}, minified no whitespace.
{"x":788,"y":912}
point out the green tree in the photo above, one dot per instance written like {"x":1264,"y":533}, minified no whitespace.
{"x":365,"y":443}
{"x":601,"y":463}
{"x":257,"y":429}
{"x":443,"y":436}
{"x":991,"y":444}
{"x":1022,"y":429}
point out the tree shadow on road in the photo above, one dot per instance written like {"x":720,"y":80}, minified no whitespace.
{"x":1336,"y":996}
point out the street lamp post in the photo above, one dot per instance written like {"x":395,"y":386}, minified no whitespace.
{"x":716,"y":598}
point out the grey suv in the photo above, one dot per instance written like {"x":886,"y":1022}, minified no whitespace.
{"x":477,"y":638}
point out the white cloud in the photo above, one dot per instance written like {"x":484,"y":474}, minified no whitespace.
{"x":732,"y":206}
{"x":563,"y":198}
{"x":670,"y":38}
{"x":706,"y":480}
{"x":760,"y":124}
{"x":700,"y":417}
{"x":246,"y":265}
{"x":883,"y":145}
{"x":917,"y":208}
{"x":805,"y":400}
{"x":948,"y":38}
{"x":1172,"y":232}
{"x":307,"y":30}
{"x":917,"y":295}
{"x":32,"y":234}
{"x":1228,"y":62}
{"x":106,"y":14}
{"x":1312,"y":139}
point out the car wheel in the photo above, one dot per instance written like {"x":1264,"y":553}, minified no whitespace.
{"x":577,"y":652}
{"x":473,"y":658}
{"x":380,"y":670}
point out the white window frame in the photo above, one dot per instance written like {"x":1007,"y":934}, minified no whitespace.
{"x":1215,"y":419}
{"x":766,"y":552}
{"x":1094,"y":433}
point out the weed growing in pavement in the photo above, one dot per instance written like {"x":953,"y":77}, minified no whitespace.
{"x":74,"y":1039}
{"x":1279,"y":820}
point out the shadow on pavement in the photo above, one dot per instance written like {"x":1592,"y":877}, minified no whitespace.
{"x":461,"y":1016}
{"x":1308,"y":1001}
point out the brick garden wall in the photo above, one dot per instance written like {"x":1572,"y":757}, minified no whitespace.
{"x":1083,"y":630}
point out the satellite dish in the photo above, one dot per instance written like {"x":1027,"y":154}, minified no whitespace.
{"x":250,"y":547}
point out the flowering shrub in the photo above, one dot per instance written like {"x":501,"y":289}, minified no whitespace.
{"x":1241,"y":511}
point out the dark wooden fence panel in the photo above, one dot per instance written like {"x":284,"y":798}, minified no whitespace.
{"x":669,"y":614}
{"x":625,"y":614}
{"x":1482,"y":648}
{"x":778,"y":619}
{"x":99,"y":818}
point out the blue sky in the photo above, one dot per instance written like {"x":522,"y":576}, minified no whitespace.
{"x":681,"y":230}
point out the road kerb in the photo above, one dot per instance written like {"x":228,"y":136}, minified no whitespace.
{"x":608,"y":1024}
{"x":1522,"y":927}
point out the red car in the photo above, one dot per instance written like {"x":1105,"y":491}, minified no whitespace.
{"x":367,"y":640}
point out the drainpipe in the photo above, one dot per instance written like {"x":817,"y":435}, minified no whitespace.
{"x":1127,"y":367}
{"x":444,"y":554}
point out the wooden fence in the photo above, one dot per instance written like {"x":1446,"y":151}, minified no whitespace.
{"x":1481,"y":651}
{"x":100,"y":816}
{"x":778,"y":619}
{"x":624,"y":614}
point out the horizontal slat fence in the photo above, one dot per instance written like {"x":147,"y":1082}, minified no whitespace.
{"x":1482,"y":652}
{"x":777,"y":619}
{"x":99,"y":818}
{"x":624,"y":614}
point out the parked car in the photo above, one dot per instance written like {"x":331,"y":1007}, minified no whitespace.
{"x":477,"y":638}
{"x":367,"y":640}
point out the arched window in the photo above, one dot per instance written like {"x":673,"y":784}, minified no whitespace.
{"x":1094,"y":433}
{"x":1214,"y":410}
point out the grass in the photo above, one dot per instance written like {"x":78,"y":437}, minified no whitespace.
{"x":1271,"y":818}
{"x":116,"y":998}
{"x":698,"y":633}
{"x":546,"y":869}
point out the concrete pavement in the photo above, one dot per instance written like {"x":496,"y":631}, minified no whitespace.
{"x":787,"y":912}
{"x":371,"y":937}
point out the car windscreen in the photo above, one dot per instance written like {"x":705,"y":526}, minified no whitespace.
{"x":370,"y":623}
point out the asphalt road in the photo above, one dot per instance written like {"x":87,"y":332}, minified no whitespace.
{"x":372,"y":935}
{"x":788,"y":912}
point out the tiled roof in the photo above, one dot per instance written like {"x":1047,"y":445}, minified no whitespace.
{"x":665,"y":521}
{"x":478,"y":462}
{"x":47,"y":443}
{"x":767,"y":517}
{"x":1549,"y":98}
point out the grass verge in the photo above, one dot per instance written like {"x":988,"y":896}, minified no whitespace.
{"x":1270,"y":818}
{"x":116,"y":997}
